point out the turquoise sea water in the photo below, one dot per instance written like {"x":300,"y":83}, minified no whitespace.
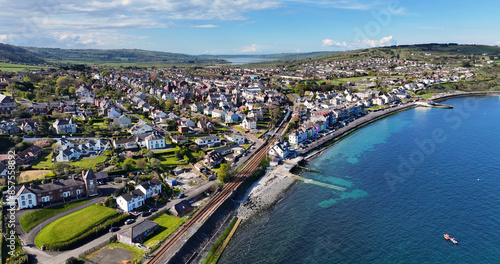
{"x":411,"y":178}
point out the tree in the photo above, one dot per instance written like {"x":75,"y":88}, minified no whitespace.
{"x":65,"y":82}
{"x":170,"y":103}
{"x":155,"y":163}
{"x":223,"y":174}
{"x":141,"y":163}
{"x":110,"y":202}
{"x":59,"y":167}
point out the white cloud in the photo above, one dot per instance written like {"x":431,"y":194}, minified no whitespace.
{"x":498,"y":42}
{"x":385,"y":41}
{"x":3,"y":37}
{"x":44,"y":22}
{"x":250,"y":49}
{"x":330,"y":42}
{"x":206,"y":26}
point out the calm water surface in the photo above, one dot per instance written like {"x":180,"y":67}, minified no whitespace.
{"x":411,"y":178}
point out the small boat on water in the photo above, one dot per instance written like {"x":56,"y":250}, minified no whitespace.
{"x":446,"y":236}
{"x":454,"y":241}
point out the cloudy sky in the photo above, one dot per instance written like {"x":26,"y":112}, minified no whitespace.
{"x":246,"y":26}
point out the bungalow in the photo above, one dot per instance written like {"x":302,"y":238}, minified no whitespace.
{"x":125,"y":143}
{"x":181,"y":208}
{"x":141,"y":127}
{"x":236,"y":138}
{"x":208,"y":141}
{"x":137,"y":233}
{"x":217,"y":113}
{"x":113,"y":113}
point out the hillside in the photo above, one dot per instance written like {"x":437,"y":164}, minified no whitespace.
{"x":126,"y":56}
{"x":279,"y":56}
{"x":10,"y":53}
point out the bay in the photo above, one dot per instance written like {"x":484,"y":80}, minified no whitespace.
{"x":411,"y":178}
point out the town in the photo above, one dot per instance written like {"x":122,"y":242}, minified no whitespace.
{"x":133,"y":152}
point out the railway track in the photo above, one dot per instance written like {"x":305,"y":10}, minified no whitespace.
{"x":217,"y":200}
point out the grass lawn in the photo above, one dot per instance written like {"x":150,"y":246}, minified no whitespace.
{"x":168,"y":225}
{"x":88,"y":163}
{"x":30,"y":175}
{"x":170,"y":160}
{"x":73,"y":225}
{"x":246,"y":146}
{"x":239,"y":128}
{"x":31,"y":219}
{"x":44,"y":162}
{"x":100,"y":124}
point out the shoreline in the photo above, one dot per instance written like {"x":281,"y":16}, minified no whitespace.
{"x":271,"y":187}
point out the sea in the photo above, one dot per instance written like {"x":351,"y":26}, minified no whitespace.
{"x":410,"y":178}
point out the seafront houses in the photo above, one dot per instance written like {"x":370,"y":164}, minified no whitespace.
{"x":208,"y":141}
{"x":136,"y":198}
{"x":65,"y":190}
{"x":279,"y":150}
{"x":64,"y":126}
{"x":297,"y":136}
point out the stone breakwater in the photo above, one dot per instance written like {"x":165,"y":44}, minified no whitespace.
{"x":270,"y":189}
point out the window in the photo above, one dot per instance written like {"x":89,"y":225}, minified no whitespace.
{"x":30,"y":202}
{"x":23,"y":197}
{"x":24,"y":203}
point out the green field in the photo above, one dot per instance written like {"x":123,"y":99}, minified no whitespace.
{"x":88,"y":163}
{"x":19,"y":67}
{"x":168,"y":225}
{"x":73,"y":225}
{"x":31,"y":219}
{"x":44,"y":162}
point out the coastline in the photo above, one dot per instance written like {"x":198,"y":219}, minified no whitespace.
{"x":271,"y":187}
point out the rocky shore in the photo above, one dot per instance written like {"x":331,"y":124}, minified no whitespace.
{"x":269,"y":189}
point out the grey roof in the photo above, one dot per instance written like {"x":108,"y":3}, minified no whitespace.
{"x":133,"y":194}
{"x":52,"y":186}
{"x":143,"y":227}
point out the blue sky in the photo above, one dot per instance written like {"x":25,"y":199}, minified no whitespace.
{"x":246,"y":26}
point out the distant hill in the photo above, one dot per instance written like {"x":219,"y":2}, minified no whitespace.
{"x":14,"y":54}
{"x":96,"y":56}
{"x":32,"y":55}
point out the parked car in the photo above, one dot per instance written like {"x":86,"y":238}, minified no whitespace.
{"x":114,"y":229}
{"x":153,"y":210}
{"x":146,"y":213}
{"x":130,"y":221}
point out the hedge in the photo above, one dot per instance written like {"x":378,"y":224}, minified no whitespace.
{"x":88,"y":235}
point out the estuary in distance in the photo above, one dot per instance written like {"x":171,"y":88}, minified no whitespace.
{"x":411,"y":177}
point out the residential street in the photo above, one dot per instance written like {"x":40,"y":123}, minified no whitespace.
{"x":54,"y":257}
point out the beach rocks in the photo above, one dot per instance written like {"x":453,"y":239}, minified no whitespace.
{"x":270,"y":190}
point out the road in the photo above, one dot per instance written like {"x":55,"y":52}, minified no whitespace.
{"x":54,"y":257}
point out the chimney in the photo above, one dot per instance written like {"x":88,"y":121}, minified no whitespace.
{"x":53,"y":181}
{"x":31,"y":185}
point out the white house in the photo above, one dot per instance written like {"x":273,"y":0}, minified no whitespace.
{"x":208,"y":141}
{"x":249,"y":123}
{"x":297,"y":136}
{"x":141,"y":127}
{"x":122,"y":121}
{"x":236,"y":138}
{"x":26,"y":198}
{"x":125,"y":143}
{"x":136,"y":198}
{"x":113,"y":113}
{"x":279,"y":150}
{"x":155,"y":141}
{"x":64,"y":126}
